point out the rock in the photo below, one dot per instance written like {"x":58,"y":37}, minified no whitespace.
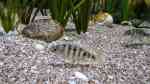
{"x":42,"y":18}
{"x":45,"y":31}
{"x":146,"y":27}
{"x":38,"y":46}
{"x":145,"y":24}
{"x":138,"y":38}
{"x":136,"y":31}
{"x":136,"y":22}
{"x":126,"y":23}
{"x":147,"y":31}
{"x":104,"y":18}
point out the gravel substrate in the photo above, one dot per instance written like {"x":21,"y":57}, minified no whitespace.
{"x":22,"y":63}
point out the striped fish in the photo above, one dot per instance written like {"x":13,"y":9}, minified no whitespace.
{"x":76,"y":54}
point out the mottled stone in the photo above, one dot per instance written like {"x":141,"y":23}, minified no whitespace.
{"x":145,"y":24}
{"x":43,"y":30}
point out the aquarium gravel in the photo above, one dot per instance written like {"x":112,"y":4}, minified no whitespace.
{"x":22,"y":63}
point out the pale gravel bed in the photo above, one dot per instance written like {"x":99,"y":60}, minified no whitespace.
{"x":21,"y":63}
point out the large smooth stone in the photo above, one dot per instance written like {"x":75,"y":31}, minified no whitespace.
{"x":43,"y":30}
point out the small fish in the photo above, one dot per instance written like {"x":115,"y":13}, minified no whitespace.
{"x":76,"y":54}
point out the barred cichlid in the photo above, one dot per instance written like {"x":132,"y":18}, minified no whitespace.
{"x":76,"y":54}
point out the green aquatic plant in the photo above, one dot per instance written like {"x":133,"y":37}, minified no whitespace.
{"x":81,"y":16}
{"x":147,"y":2}
{"x":62,"y":10}
{"x":24,"y":10}
{"x":125,"y":9}
{"x":78,"y":9}
{"x":8,"y":15}
{"x":7,"y":19}
{"x":109,"y":5}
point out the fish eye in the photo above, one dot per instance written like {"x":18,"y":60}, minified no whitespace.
{"x":84,"y":54}
{"x":93,"y":57}
{"x":53,"y":48}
